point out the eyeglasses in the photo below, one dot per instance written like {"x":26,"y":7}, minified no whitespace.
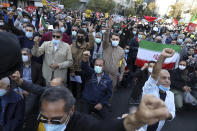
{"x":56,"y":36}
{"x":58,"y":121}
{"x":24,"y":54}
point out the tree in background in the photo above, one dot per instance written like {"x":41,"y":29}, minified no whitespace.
{"x":101,"y":5}
{"x":150,"y":10}
{"x":70,"y":3}
{"x":176,"y":10}
{"x":193,"y":13}
{"x":130,"y":11}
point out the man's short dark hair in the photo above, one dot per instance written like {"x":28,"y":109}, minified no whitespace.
{"x":81,"y":31}
{"x":154,"y":62}
{"x":116,"y":34}
{"x":30,"y":25}
{"x":99,"y":59}
{"x":58,"y":93}
{"x":182,"y":61}
{"x":56,"y":24}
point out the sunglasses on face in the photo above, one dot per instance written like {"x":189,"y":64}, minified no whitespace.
{"x":56,"y":36}
{"x":56,"y":121}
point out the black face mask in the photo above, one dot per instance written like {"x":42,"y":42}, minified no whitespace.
{"x":80,"y":39}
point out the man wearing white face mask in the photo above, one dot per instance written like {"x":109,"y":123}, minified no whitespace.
{"x":113,"y":54}
{"x":180,"y":83}
{"x":158,"y":84}
{"x":31,"y":72}
{"x":98,"y":87}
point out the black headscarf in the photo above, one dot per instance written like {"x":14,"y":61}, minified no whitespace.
{"x":10,"y":54}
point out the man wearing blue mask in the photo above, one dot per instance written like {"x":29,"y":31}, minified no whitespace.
{"x":98,"y":46}
{"x":98,"y":87}
{"x":27,"y":41}
{"x":58,"y":114}
{"x":74,"y":33}
{"x":11,"y":107}
{"x":158,"y":84}
{"x":57,"y":56}
{"x":113,"y":54}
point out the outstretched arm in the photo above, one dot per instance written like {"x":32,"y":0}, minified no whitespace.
{"x":167,"y":53}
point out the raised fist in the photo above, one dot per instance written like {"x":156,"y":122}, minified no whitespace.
{"x":167,"y":52}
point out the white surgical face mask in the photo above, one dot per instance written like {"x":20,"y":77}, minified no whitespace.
{"x":188,"y":44}
{"x":103,"y":31}
{"x":150,"y":69}
{"x":140,"y":36}
{"x":98,"y":69}
{"x":25,"y":58}
{"x":2,"y":92}
{"x":54,"y":127}
{"x":181,"y":67}
{"x":74,"y":33}
{"x":97,"y":40}
{"x":180,"y":40}
{"x":62,"y":29}
{"x":164,"y":89}
{"x":1,"y":23}
{"x":115,"y":43}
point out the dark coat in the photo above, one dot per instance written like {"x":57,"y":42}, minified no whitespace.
{"x":79,"y":122}
{"x":95,"y":92}
{"x":36,"y":73}
{"x":193,"y":81}
{"x":134,"y":45}
{"x":14,"y":112}
{"x":32,"y":88}
{"x":82,"y":122}
{"x":140,"y":78}
{"x":177,"y":81}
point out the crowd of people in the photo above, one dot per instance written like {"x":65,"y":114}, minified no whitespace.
{"x":92,"y":57}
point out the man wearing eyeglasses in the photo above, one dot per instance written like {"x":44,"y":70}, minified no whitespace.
{"x":58,"y":114}
{"x":57,"y":56}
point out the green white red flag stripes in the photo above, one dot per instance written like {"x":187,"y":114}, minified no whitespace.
{"x":150,"y":51}
{"x":42,"y":23}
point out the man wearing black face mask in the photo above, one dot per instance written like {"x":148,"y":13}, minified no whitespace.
{"x":77,"y":48}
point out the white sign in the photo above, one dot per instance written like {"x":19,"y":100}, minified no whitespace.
{"x":38,"y":4}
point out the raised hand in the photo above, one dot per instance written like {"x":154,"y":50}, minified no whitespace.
{"x":167,"y":52}
{"x":17,"y":77}
{"x":150,"y":111}
{"x":110,"y":23}
{"x":37,"y":40}
{"x":91,"y":27}
{"x":86,"y":56}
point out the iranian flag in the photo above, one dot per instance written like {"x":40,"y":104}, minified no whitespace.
{"x":42,"y":24}
{"x":150,"y":51}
